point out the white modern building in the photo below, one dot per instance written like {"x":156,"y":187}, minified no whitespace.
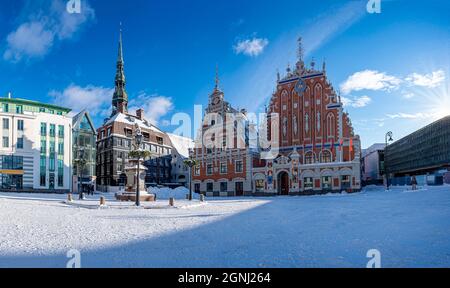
{"x":36,"y":146}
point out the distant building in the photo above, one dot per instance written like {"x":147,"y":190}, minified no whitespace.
{"x":36,"y":146}
{"x":317,"y":149}
{"x":425,"y":153}
{"x":224,"y":154}
{"x":84,"y":138}
{"x":116,"y":137}
{"x":181,"y":145}
{"x":372,"y":164}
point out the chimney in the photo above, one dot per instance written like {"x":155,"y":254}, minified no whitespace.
{"x":140,"y":114}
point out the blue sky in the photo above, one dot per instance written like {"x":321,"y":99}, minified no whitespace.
{"x":392,"y":68}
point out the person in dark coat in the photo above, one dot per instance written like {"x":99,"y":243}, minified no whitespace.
{"x":414,"y":183}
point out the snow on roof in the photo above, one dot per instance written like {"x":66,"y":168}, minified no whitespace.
{"x":181,"y":144}
{"x":132,"y":120}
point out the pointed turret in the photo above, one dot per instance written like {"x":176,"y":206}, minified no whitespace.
{"x":120,"y":98}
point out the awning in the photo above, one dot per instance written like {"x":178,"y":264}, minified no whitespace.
{"x":12,"y":172}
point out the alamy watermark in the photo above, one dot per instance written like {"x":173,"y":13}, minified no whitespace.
{"x":73,"y":6}
{"x":375,"y":259}
{"x":374,"y":6}
{"x":74,"y":257}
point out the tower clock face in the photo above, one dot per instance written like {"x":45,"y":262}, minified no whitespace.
{"x":300,"y":87}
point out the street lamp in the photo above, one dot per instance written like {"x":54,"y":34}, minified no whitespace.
{"x":190,"y":163}
{"x":388,"y":138}
{"x":138,"y":138}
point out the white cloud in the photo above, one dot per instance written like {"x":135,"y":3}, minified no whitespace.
{"x":155,"y":106}
{"x":251,"y":47}
{"x":97,"y":100}
{"x":35,"y":37}
{"x":356,"y":102}
{"x":408,"y":95}
{"x":431,"y":80}
{"x":419,"y":115}
{"x":370,"y":80}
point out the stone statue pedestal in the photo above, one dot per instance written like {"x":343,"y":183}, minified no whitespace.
{"x":130,"y":191}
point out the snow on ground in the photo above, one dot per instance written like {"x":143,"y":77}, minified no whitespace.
{"x":410,"y":229}
{"x":166,"y":193}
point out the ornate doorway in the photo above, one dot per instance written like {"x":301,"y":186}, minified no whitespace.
{"x":283,"y":183}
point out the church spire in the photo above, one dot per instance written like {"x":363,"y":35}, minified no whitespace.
{"x":120,"y":98}
{"x":217,"y":81}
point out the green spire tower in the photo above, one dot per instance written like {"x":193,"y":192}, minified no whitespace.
{"x":120,"y":98}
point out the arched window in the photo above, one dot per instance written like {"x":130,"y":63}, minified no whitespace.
{"x":309,"y":157}
{"x":330,"y":125}
{"x":318,"y":93}
{"x":326,"y":157}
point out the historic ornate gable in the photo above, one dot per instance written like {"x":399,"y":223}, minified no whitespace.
{"x":311,"y":114}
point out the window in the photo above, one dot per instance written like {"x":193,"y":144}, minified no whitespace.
{"x":42,"y":179}
{"x":5,"y":141}
{"x":42,"y":110}
{"x":12,"y":162}
{"x":259,"y":185}
{"x":223,"y":168}
{"x":51,"y":163}
{"x":5,"y":124}
{"x":52,"y":130}
{"x":108,"y":132}
{"x":308,"y":183}
{"x":43,"y":147}
{"x":209,"y":169}
{"x":160,"y":140}
{"x":326,"y":182}
{"x":20,"y":126}
{"x":60,"y":173}
{"x":197,"y":188}
{"x":223,"y":186}
{"x":60,"y":131}
{"x":197,"y":170}
{"x":60,"y":148}
{"x":5,"y":107}
{"x":51,"y":111}
{"x":43,"y":129}
{"x":209,"y":187}
{"x":345,"y":181}
{"x":59,"y":113}
{"x":102,"y":134}
{"x":309,"y":158}
{"x":239,"y":166}
{"x":19,"y":109}
{"x":52,"y":147}
{"x":19,"y":143}
{"x":326,"y":157}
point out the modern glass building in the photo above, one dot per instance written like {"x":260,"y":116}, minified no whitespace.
{"x":424,"y":152}
{"x":84,"y":138}
{"x":35,"y":140}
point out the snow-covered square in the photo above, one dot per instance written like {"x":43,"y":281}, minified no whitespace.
{"x":410,"y":229}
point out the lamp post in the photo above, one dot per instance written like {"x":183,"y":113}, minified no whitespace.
{"x":138,"y":138}
{"x":388,"y":138}
{"x":190,"y":163}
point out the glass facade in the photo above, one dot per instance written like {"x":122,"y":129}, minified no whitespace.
{"x":423,"y":151}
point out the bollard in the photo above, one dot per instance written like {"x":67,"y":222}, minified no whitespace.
{"x":102,"y":201}
{"x":69,"y":197}
{"x":171,"y":202}
{"x":202,"y":198}
{"x":187,"y":196}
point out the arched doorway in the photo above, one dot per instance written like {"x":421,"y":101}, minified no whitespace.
{"x":283,"y":183}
